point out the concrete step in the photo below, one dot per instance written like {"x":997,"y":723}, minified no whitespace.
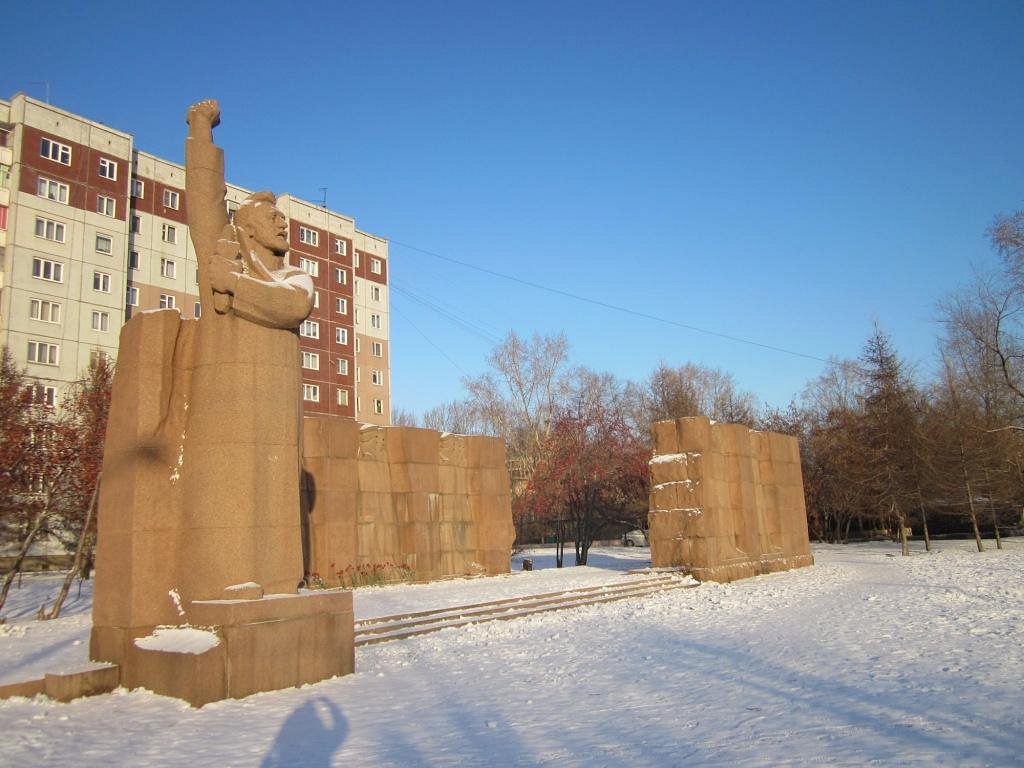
{"x":364,"y":624}
{"x":93,"y":679}
{"x":386,"y":628}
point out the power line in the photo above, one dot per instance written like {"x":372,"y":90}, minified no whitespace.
{"x":467,"y":325}
{"x":607,"y":305}
{"x":427,"y":339}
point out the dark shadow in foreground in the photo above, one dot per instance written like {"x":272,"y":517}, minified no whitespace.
{"x":309,"y":737}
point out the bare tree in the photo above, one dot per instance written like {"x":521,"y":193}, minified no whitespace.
{"x":400,"y":417}
{"x":888,"y":432}
{"x":519,"y":395}
{"x":690,"y":389}
{"x":458,"y":417}
{"x":960,"y":439}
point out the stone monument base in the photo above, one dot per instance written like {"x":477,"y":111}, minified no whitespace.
{"x":244,"y":647}
{"x":726,"y":572}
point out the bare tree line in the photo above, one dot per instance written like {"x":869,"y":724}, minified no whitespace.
{"x":883,"y":451}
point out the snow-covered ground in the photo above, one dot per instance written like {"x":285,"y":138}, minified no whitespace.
{"x":865,"y":658}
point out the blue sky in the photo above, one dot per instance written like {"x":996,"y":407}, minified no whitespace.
{"x":783,"y":172}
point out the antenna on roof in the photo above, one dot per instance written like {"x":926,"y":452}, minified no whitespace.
{"x":323,"y":198}
{"x":46,"y":84}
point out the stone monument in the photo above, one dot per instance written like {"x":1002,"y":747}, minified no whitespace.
{"x":199,"y":522}
{"x":727,"y":502}
{"x":435,"y":504}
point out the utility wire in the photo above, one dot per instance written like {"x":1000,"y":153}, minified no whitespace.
{"x":607,"y":305}
{"x":466,"y":325}
{"x":447,"y":309}
{"x":427,"y":339}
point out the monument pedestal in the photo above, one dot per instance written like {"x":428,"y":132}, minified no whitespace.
{"x":275,"y":642}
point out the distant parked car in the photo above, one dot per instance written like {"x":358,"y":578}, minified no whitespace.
{"x":635,"y":538}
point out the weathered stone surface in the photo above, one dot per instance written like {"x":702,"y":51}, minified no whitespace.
{"x":200,"y":497}
{"x":726,"y":502}
{"x":437,"y":505}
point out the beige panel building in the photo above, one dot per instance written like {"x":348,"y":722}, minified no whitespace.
{"x":93,"y":230}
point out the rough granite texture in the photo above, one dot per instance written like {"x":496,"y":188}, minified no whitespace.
{"x":199,"y":499}
{"x":726,"y":502}
{"x":436,"y":503}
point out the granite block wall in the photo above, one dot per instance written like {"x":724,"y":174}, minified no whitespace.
{"x":430,"y":504}
{"x":726,"y":501}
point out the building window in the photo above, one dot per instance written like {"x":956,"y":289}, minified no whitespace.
{"x":310,"y":329}
{"x":375,"y":293}
{"x":377,"y":377}
{"x":43,"y":353}
{"x":311,"y":266}
{"x":378,"y":406}
{"x":355,"y":287}
{"x":232,"y":208}
{"x":309,"y":236}
{"x":53,"y":150}
{"x":341,"y":306}
{"x":133,"y":259}
{"x":50,"y":230}
{"x":355,"y":258}
{"x":104,"y":244}
{"x":359,"y":316}
{"x":136,"y":225}
{"x":340,"y":247}
{"x":378,"y":349}
{"x":138,"y":188}
{"x":3,"y":217}
{"x":101,"y":282}
{"x":359,"y":346}
{"x":311,"y":361}
{"x":311,"y":393}
{"x":98,"y":356}
{"x":359,"y":404}
{"x":169,"y":233}
{"x":167,"y":302}
{"x":52,"y":190}
{"x":170,"y":199}
{"x":167,"y":268}
{"x":359,"y":375}
{"x":44,"y":269}
{"x":47,"y":396}
{"x":197,"y":310}
{"x":340,"y":276}
{"x":342,"y":395}
{"x":341,"y":335}
{"x":376,"y":267}
{"x":342,"y":366}
{"x":375,"y":320}
{"x":41,"y":309}
{"x":132,"y":296}
{"x":100,"y":320}
{"x":106,"y":205}
{"x":108,"y":169}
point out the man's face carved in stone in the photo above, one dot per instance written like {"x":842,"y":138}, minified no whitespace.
{"x":269,"y":227}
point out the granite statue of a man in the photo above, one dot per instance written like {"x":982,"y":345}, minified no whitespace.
{"x":199,"y":511}
{"x":242,"y":446}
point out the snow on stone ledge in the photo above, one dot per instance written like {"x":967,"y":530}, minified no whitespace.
{"x":244,"y":585}
{"x":670,"y":457}
{"x":179,"y":640}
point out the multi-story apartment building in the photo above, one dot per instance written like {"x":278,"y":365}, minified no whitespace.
{"x":92,"y":230}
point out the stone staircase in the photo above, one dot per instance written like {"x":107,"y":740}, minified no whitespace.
{"x":383,"y":629}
